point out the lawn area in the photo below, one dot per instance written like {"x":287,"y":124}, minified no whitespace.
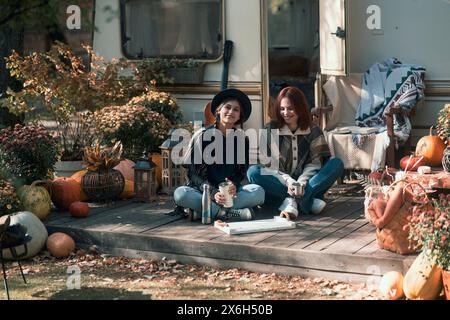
{"x":116,"y":278}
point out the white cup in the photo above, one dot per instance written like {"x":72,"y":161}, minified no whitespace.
{"x":224,"y":189}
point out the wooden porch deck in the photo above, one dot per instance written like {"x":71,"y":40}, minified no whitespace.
{"x":338,"y":244}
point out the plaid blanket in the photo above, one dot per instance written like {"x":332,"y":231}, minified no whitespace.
{"x":389,"y":84}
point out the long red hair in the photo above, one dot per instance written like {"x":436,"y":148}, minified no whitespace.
{"x":300,"y":104}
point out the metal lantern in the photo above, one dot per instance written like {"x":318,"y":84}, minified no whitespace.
{"x":145,"y":179}
{"x":173,"y":175}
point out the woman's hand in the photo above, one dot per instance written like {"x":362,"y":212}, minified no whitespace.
{"x":219,"y":198}
{"x":291,"y":190}
{"x":232,"y":190}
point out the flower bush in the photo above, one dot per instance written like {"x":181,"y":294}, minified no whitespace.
{"x":138,"y":128}
{"x":58,"y":85}
{"x":160,"y":102}
{"x":9,"y":202}
{"x":28,"y":153}
{"x":443,"y":123}
{"x":430,"y":227}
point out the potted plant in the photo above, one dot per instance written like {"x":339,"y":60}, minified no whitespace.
{"x":430,"y":227}
{"x":28,"y":153}
{"x":101,"y":181}
{"x":138,"y":128}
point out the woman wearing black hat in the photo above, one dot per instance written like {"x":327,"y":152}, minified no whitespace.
{"x":220,"y":153}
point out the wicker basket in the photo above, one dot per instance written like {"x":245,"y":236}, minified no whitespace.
{"x":101,"y":186}
{"x":446,"y":159}
{"x":394,"y":236}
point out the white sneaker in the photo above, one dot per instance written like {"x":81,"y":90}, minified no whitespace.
{"x":318,"y":206}
{"x":289,"y":205}
{"x":239,"y":214}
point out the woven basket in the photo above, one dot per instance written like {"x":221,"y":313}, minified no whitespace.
{"x":394,"y":236}
{"x":101,"y":186}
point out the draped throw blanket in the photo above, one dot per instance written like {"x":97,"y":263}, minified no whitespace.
{"x":386,"y":85}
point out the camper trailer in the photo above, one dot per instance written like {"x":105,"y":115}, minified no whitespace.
{"x":281,"y":42}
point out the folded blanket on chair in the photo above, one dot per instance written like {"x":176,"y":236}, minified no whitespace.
{"x":386,"y":85}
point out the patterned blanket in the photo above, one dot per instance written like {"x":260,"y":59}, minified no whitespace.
{"x":389,"y":84}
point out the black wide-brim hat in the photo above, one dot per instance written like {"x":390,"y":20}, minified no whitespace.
{"x":241,"y":97}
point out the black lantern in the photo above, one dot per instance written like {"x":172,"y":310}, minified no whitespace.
{"x":145,"y":179}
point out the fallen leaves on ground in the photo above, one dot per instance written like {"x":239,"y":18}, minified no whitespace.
{"x":169,"y":279}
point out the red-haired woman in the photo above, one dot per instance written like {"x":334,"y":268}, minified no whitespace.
{"x":305,"y":168}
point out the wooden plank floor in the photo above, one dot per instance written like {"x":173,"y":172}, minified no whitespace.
{"x":337,"y":244}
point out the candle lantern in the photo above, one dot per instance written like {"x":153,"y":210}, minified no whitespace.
{"x":145,"y":179}
{"x":173,"y":175}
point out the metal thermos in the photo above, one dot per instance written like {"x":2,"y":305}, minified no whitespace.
{"x":206,"y":205}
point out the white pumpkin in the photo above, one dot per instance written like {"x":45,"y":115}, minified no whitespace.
{"x":35,"y":228}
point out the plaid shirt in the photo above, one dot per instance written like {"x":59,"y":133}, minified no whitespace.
{"x":302,"y":153}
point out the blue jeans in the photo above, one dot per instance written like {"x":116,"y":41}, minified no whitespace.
{"x":315,"y":188}
{"x":247,"y":196}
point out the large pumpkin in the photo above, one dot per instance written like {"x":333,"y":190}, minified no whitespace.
{"x":35,"y":229}
{"x":423,"y":281}
{"x":77,"y":177}
{"x":126,"y":169}
{"x":35,"y":199}
{"x":64,"y":192}
{"x":391,"y":285}
{"x":431,"y":148}
{"x":60,"y":245}
{"x":128,"y":190}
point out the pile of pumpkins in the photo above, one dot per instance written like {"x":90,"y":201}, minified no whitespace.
{"x":429,"y":152}
{"x":66,"y":195}
{"x":423,"y":281}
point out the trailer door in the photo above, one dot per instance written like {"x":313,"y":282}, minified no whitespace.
{"x":333,"y":33}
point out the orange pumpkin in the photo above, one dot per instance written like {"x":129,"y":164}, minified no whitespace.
{"x":65,"y":191}
{"x":431,"y":148}
{"x":79,"y":209}
{"x":391,"y":285}
{"x":128,"y":190}
{"x":77,"y":176}
{"x":60,"y":245}
{"x":126,"y":169}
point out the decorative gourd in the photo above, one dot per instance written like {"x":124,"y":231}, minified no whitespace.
{"x":126,"y":169}
{"x":77,"y":176}
{"x":391,"y":285}
{"x":35,"y":229}
{"x":431,"y":148}
{"x":35,"y":199}
{"x":79,"y":209}
{"x":60,"y":245}
{"x":412,"y":162}
{"x":64,"y":192}
{"x":128,"y":190}
{"x":423,"y":281}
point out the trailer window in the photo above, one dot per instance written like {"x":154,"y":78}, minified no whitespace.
{"x":172,"y":28}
